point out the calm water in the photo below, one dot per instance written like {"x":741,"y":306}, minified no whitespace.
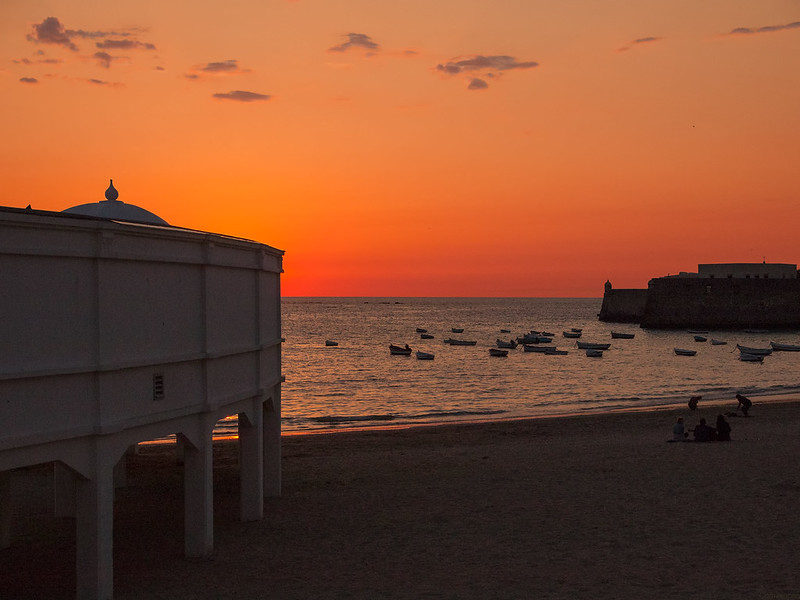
{"x":359,"y":384}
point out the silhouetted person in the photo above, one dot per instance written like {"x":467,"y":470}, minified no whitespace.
{"x":745,"y":403}
{"x":678,"y":433}
{"x":693,"y":402}
{"x":723,"y":429}
{"x":702,"y":432}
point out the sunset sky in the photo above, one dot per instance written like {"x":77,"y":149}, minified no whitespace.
{"x":421,"y":147}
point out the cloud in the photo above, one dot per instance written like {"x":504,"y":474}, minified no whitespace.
{"x":99,"y":82}
{"x":28,"y":80}
{"x":224,"y":66}
{"x":46,"y":61}
{"x":765,"y":29}
{"x":103,"y":59}
{"x":484,"y":63}
{"x":486,"y":66}
{"x":124,"y":45}
{"x":241,"y":96}
{"x":638,"y":41}
{"x":357,"y":41}
{"x":51,"y":31}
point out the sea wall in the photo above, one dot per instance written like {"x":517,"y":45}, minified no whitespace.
{"x":623,"y":306}
{"x":676,"y":302}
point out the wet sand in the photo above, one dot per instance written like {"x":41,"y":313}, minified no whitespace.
{"x":577,"y":507}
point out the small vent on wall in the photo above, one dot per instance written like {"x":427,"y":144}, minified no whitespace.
{"x":158,"y":386}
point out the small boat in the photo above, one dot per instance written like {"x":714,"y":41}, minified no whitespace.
{"x":685,"y":352}
{"x":497,"y":352}
{"x":594,"y":352}
{"x":591,"y":346}
{"x":696,"y":331}
{"x":784,"y":347}
{"x":331,"y":343}
{"x":571,"y":334}
{"x":425,"y":336}
{"x":457,"y":330}
{"x":532,"y":348}
{"x":421,"y":330}
{"x":700,"y":338}
{"x":718,"y":342}
{"x":505,"y":331}
{"x":424,"y":355}
{"x":510,"y":344}
{"x":399,"y":350}
{"x":530,"y":338}
{"x":757,"y":351}
{"x":751,"y":357}
{"x":454,"y":342}
{"x":555,"y":351}
{"x":618,"y":335}
{"x":547,"y":334}
{"x":756,"y":330}
{"x":576,"y":329}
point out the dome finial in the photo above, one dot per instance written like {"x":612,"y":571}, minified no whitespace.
{"x":111,"y":192}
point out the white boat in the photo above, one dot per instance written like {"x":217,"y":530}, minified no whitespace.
{"x":454,"y":342}
{"x":619,"y":335}
{"x":594,"y":352}
{"x":685,"y":352}
{"x":591,"y":346}
{"x":510,"y":344}
{"x":718,"y":342}
{"x":757,"y":351}
{"x":751,"y":357}
{"x":784,"y":347}
{"x":399,"y":350}
{"x":424,"y":355}
{"x":331,"y":343}
{"x":571,"y":334}
{"x":497,"y":352}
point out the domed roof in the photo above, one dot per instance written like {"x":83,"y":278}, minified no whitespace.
{"x":111,"y":208}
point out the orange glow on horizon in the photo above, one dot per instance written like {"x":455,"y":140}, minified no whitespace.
{"x":421,"y":150}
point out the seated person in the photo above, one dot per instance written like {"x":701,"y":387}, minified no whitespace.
{"x":678,"y":433}
{"x":703,"y":433}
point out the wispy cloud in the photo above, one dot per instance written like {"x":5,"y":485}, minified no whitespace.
{"x":485,"y":66}
{"x":51,"y":31}
{"x":222,"y":67}
{"x":28,"y":80}
{"x":124,"y":45}
{"x":103,"y":59}
{"x":103,"y":82}
{"x":242,"y":96}
{"x":639,"y":42}
{"x":43,"y":61}
{"x":357,"y":41}
{"x":765,"y":29}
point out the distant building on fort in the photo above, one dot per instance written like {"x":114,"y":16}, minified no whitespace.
{"x":720,"y":296}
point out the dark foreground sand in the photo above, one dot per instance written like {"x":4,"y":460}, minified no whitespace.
{"x":581,"y":507}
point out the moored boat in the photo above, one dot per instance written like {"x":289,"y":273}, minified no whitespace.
{"x":715,"y":342}
{"x":594,"y":352}
{"x":551,"y":350}
{"x":756,"y":351}
{"x":592,"y":346}
{"x":619,"y":335}
{"x":497,"y":352}
{"x":421,"y":330}
{"x":331,"y":343}
{"x":424,"y":355}
{"x":457,"y":330}
{"x":425,"y":336}
{"x":571,"y":334}
{"x":454,"y":342}
{"x":505,"y":331}
{"x":532,"y":348}
{"x":751,"y":357}
{"x":510,"y":344}
{"x":399,"y":350}
{"x":700,"y":338}
{"x":685,"y":352}
{"x":784,"y":347}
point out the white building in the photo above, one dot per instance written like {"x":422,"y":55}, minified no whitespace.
{"x":118,"y":328}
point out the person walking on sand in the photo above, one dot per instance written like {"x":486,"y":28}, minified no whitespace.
{"x":723,"y":429}
{"x":745,"y":403}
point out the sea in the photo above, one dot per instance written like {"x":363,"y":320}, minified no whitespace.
{"x":358,"y":384}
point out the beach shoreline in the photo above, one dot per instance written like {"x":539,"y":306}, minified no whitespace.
{"x":587,"y":506}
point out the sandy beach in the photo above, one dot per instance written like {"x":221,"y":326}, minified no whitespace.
{"x":576,"y":507}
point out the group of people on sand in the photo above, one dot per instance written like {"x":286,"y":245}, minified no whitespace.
{"x":703,"y":432}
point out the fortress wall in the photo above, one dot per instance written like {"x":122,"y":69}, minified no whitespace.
{"x":623,"y":306}
{"x":722,"y":303}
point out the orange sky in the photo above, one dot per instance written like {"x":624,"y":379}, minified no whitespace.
{"x":421,"y":148}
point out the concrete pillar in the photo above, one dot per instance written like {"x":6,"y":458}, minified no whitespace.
{"x":272,"y":445}
{"x":6,"y":509}
{"x":251,"y":463}
{"x":94,"y":524}
{"x":198,"y":496}
{"x":63,"y":490}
